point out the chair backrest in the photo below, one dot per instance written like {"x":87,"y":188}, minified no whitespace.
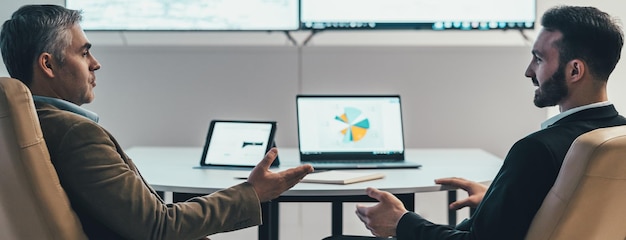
{"x":33,"y":205}
{"x":588,"y":199}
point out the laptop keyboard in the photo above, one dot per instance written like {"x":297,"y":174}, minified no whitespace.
{"x":359,"y":161}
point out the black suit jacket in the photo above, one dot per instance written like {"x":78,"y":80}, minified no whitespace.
{"x":527,"y":174}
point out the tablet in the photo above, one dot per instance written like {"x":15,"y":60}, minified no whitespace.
{"x":238,"y":143}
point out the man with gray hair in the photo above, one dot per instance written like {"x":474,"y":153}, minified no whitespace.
{"x":45,"y":47}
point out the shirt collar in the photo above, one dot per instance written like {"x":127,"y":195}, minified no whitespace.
{"x":67,"y":106}
{"x":561,"y":115}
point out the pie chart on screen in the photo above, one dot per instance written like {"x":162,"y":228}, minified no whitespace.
{"x":355,"y":124}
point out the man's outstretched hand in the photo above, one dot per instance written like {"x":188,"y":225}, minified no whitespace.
{"x":382,"y":218}
{"x":475,"y":191}
{"x":269,"y":185}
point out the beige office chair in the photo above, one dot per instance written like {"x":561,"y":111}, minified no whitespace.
{"x":32,"y":203}
{"x":588,"y":199}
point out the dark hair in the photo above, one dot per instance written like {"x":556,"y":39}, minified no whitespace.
{"x":588,"y":34}
{"x":33,"y":30}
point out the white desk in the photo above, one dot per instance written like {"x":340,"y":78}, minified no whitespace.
{"x":172,"y":169}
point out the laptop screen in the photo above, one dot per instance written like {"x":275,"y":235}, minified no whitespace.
{"x":347,"y":127}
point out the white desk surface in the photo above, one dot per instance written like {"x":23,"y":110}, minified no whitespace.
{"x":172,"y":169}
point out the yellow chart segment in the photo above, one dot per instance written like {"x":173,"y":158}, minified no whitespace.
{"x":358,"y":133}
{"x":344,"y":118}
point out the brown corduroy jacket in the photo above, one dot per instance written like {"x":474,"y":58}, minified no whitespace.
{"x":113,"y":201}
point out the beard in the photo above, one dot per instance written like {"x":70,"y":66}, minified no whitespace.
{"x":552,"y":91}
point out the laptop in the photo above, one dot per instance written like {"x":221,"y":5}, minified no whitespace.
{"x":351,"y":131}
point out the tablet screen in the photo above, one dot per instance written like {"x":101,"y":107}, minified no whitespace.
{"x":237,"y":143}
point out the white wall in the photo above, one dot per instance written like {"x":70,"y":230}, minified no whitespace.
{"x":459,"y":89}
{"x":142,"y":90}
{"x":339,"y":58}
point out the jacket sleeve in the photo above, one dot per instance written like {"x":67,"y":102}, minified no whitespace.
{"x":413,"y":226}
{"x":101,"y":182}
{"x":509,"y":205}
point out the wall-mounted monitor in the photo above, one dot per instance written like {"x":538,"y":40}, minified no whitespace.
{"x":188,"y":15}
{"x":418,"y":14}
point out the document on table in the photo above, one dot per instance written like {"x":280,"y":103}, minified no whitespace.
{"x":341,"y":177}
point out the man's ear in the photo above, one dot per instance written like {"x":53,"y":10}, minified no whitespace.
{"x":576,"y":70}
{"x":45,"y":63}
